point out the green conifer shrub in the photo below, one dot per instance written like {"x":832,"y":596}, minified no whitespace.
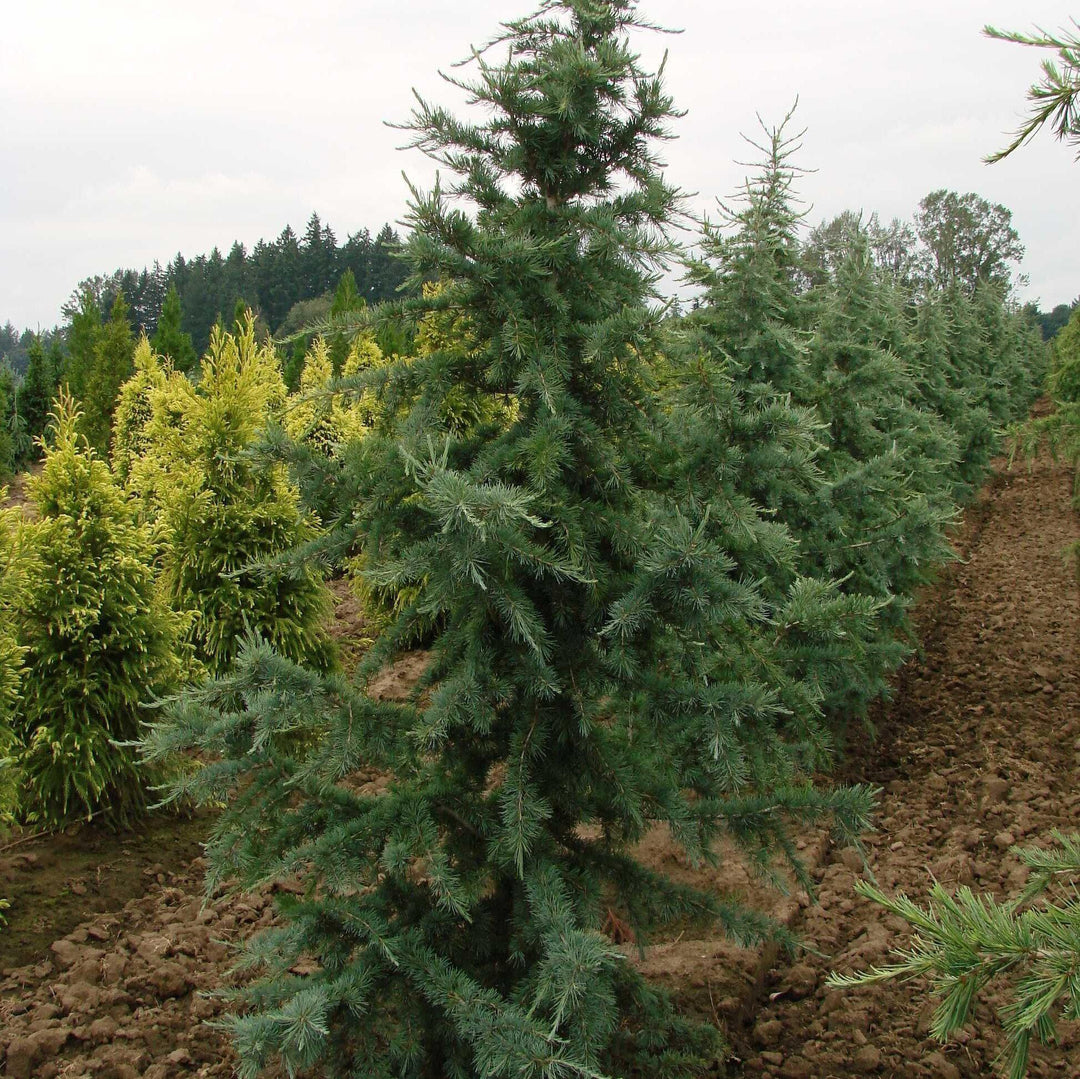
{"x":169,"y":338}
{"x":946,"y":393}
{"x":224,"y":514}
{"x":1060,"y":430}
{"x":347,"y":302}
{"x":99,"y":642}
{"x":11,"y":662}
{"x":1063,"y":381}
{"x":879,"y":523}
{"x":83,"y":332}
{"x":37,"y":390}
{"x":111,"y":367}
{"x":8,"y":418}
{"x":18,"y":446}
{"x":452,"y":925}
{"x":745,"y":451}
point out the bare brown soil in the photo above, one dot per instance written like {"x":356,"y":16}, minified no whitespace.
{"x":978,"y":750}
{"x":348,"y":627}
{"x":56,"y":882}
{"x":17,"y":495}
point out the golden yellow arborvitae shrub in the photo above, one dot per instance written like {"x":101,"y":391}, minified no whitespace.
{"x":227,"y":516}
{"x":447,"y":331}
{"x":324,"y":420}
{"x":133,"y":408}
{"x":11,"y":659}
{"x":364,"y":355}
{"x":99,"y":640}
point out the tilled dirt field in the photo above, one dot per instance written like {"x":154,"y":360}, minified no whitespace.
{"x":978,"y":751}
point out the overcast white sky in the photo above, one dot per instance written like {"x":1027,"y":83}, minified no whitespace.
{"x":134,"y":129}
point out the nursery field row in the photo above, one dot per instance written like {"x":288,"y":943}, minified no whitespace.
{"x":978,"y":750}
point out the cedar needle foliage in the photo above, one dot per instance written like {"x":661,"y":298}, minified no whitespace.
{"x":751,"y":443}
{"x":967,"y":943}
{"x":1055,"y":99}
{"x":594,"y":669}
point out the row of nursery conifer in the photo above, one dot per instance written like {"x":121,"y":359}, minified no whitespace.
{"x":1022,"y":950}
{"x":659,"y":563}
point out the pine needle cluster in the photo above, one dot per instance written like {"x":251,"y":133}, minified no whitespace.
{"x":968,"y":944}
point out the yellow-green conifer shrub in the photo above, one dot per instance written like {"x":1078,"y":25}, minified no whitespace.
{"x":99,"y":642}
{"x":447,"y":332}
{"x":364,"y":355}
{"x":1064,"y":380}
{"x":227,"y":516}
{"x":133,"y":408}
{"x":319,"y":418}
{"x":11,"y":662}
{"x":10,"y":676}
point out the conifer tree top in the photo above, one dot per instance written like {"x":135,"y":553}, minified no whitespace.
{"x":571,"y":109}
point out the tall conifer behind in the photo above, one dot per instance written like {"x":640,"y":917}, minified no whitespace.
{"x":112,"y":365}
{"x":453,"y":925}
{"x":941,"y":391}
{"x":746,"y":440}
{"x":83,"y":333}
{"x":169,"y":337}
{"x":37,"y":390}
{"x":11,"y":422}
{"x":879,"y":523}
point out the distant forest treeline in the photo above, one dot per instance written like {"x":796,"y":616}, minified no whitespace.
{"x":273,"y":279}
{"x":287,"y":282}
{"x":1052,"y":321}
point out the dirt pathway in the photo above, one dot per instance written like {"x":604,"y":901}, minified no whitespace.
{"x":979,"y":750}
{"x":17,"y":496}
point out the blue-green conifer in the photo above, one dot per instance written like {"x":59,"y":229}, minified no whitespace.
{"x":453,"y":923}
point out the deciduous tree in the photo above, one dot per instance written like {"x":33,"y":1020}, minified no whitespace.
{"x":969,"y":240}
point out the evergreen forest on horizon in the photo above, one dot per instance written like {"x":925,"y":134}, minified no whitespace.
{"x":285,"y":281}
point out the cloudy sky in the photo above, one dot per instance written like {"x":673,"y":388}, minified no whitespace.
{"x":134,"y":129}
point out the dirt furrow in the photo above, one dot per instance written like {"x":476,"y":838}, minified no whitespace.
{"x":977,"y":752}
